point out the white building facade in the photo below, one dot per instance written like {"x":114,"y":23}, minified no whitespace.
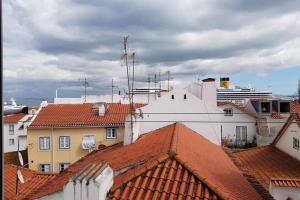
{"x":15,"y":132}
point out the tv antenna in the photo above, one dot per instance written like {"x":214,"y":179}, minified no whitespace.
{"x":85,"y":84}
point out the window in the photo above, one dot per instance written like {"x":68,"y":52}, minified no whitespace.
{"x":63,"y":166}
{"x":184,"y":96}
{"x":64,"y":142}
{"x":228,"y":111}
{"x":44,"y":143}
{"x":11,"y":141}
{"x":296,"y":143}
{"x":11,"y":129}
{"x":88,"y":142}
{"x":241,"y":133}
{"x":44,"y":167}
{"x":265,"y":107}
{"x":111,"y":133}
{"x":172,"y":96}
{"x":284,"y":107}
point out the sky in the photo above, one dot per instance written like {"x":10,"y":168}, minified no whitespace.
{"x":53,"y":45}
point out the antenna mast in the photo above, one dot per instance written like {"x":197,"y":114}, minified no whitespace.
{"x":168,"y":81}
{"x":149,"y":79}
{"x":299,"y":90}
{"x":112,"y":90}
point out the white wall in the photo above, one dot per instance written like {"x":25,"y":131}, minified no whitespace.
{"x":206,"y":127}
{"x":285,"y":143}
{"x":282,"y":193}
{"x":22,"y":134}
{"x":231,"y":122}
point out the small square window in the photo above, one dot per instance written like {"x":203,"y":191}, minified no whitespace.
{"x":296,"y":143}
{"x":11,"y":141}
{"x":228,"y":111}
{"x":111,"y":133}
{"x":63,"y":166}
{"x":44,"y":143}
{"x":11,"y":128}
{"x":45,"y":167}
{"x":64,"y":142}
{"x":172,"y":97}
{"x":184,"y":97}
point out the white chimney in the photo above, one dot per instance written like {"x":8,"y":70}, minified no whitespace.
{"x":209,"y":91}
{"x":93,"y":182}
{"x":130,"y":137}
{"x":101,"y":110}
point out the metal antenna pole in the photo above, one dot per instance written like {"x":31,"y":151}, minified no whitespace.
{"x":168,"y":81}
{"x":155,"y":85}
{"x":112,"y":90}
{"x":149,"y":79}
{"x":132,"y":81}
{"x":85,"y":89}
{"x":159,"y":84}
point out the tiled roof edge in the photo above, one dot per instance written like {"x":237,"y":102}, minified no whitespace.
{"x":248,"y":175}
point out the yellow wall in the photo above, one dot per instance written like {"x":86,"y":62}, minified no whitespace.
{"x":54,"y":156}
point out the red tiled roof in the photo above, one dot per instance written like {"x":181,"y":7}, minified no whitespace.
{"x":291,"y":119}
{"x":32,"y":180}
{"x":14,"y":118}
{"x":167,"y":180}
{"x":75,"y":115}
{"x":267,"y":163}
{"x":286,"y":182}
{"x":207,"y":162}
{"x":241,"y":108}
{"x":295,"y":107}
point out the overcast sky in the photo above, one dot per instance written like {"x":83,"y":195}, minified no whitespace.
{"x":50,"y":45}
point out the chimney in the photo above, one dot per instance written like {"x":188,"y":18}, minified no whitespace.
{"x":128,"y":136}
{"x":101,"y":110}
{"x":209,"y":91}
{"x":91,"y":183}
{"x":44,"y":104}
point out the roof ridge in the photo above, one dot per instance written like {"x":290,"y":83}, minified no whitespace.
{"x":248,"y":175}
{"x":173,"y":144}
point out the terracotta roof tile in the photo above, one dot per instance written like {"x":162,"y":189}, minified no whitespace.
{"x":166,"y":163}
{"x":75,"y":115}
{"x":267,"y":163}
{"x":286,"y":182}
{"x":295,"y":106}
{"x":14,"y":118}
{"x":32,"y":181}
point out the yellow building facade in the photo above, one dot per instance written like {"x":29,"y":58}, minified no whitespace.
{"x":45,"y":152}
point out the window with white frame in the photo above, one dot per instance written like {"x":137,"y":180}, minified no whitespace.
{"x":296,"y":143}
{"x":45,"y":167}
{"x":64,"y":142}
{"x":11,"y":141}
{"x":228,"y":111}
{"x":11,"y":129}
{"x":44,"y":143}
{"x":111,"y":133}
{"x":63,"y":166}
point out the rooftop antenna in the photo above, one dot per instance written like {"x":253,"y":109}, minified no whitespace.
{"x":299,"y":90}
{"x":85,"y":84}
{"x":168,"y":72}
{"x":159,"y":84}
{"x":125,"y":57}
{"x":112,"y":90}
{"x":155,"y":85}
{"x":149,"y":80}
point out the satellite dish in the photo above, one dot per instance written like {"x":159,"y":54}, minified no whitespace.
{"x":20,"y":176}
{"x":20,"y":159}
